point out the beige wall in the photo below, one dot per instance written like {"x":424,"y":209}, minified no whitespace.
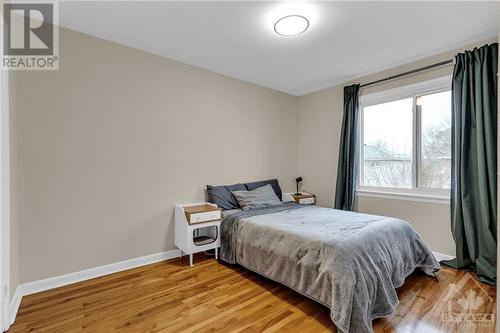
{"x":14,"y":246}
{"x":432,"y":221}
{"x":13,"y":227}
{"x":319,"y":126}
{"x":108,"y":144}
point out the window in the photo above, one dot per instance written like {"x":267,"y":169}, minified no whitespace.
{"x":388,"y":144}
{"x":435,"y":143}
{"x":406,"y":140}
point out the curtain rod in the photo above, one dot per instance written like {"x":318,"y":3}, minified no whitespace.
{"x":439,"y":64}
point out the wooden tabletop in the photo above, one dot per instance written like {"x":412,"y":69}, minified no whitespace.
{"x":302,"y":195}
{"x":200,"y":209}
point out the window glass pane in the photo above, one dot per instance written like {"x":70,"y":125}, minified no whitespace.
{"x":387,"y":136}
{"x":435,"y":165}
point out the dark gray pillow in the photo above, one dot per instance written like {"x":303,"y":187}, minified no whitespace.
{"x":273,"y":182}
{"x":258,"y":198}
{"x":222,"y":196}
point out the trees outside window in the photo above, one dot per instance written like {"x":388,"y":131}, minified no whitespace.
{"x":406,"y":143}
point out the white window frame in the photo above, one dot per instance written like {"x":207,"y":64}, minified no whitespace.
{"x":415,"y":193}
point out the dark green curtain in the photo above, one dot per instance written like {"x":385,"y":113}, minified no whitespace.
{"x":348,"y":164}
{"x":474,"y":161}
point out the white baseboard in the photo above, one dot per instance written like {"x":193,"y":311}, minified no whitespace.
{"x":87,"y":274}
{"x":14,"y":305}
{"x":441,"y":256}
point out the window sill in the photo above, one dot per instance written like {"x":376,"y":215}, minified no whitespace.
{"x":443,"y":199}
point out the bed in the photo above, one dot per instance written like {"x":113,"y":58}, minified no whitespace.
{"x":350,"y":262}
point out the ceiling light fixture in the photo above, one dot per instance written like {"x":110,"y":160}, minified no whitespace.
{"x":291,"y":25}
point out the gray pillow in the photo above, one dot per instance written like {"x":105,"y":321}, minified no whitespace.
{"x":260,"y":197}
{"x":222,"y":196}
{"x":273,"y":182}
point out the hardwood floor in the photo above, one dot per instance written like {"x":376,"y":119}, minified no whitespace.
{"x":214,"y":297}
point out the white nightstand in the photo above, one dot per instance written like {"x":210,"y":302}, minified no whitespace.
{"x":197,"y":228}
{"x":304,"y":198}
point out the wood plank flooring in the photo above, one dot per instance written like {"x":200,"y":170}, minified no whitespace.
{"x":213,"y":297}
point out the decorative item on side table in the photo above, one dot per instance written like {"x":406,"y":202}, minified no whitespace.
{"x":298,"y":180}
{"x":197,"y":228}
{"x":303,"y":198}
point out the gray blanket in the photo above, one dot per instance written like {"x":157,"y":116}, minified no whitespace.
{"x":350,"y":262}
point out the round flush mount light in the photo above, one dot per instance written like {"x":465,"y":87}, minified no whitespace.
{"x":291,"y":25}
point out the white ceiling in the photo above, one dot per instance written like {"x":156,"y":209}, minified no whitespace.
{"x":345,"y":39}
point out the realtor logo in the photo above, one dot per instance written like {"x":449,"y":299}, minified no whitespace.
{"x":30,"y":36}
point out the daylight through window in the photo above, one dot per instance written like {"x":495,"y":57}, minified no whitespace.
{"x":406,"y":143}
